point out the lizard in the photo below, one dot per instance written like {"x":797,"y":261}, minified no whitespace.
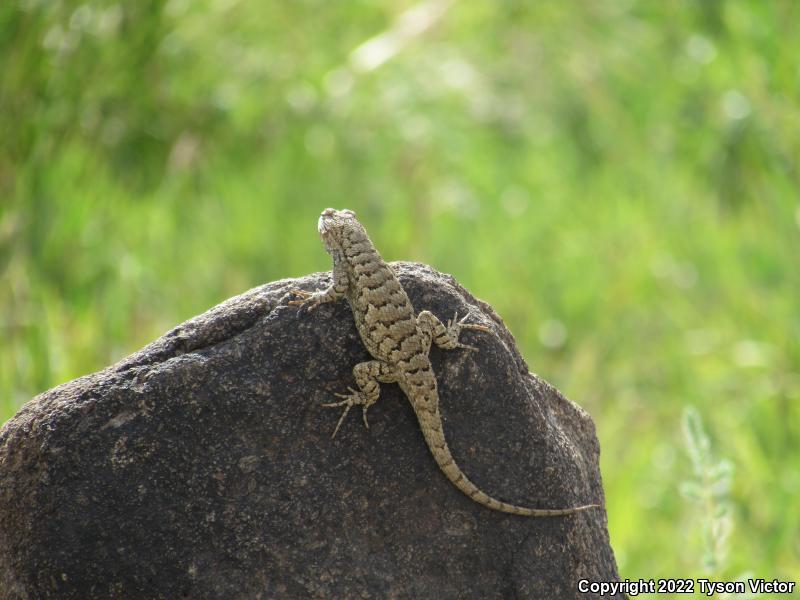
{"x":399,"y":342}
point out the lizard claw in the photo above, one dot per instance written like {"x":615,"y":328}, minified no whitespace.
{"x":473,"y":326}
{"x":302,"y":294}
{"x":352,"y":399}
{"x":454,"y":327}
{"x":341,"y":419}
{"x":307,"y":300}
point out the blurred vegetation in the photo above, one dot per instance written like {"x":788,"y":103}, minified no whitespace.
{"x":618,"y":178}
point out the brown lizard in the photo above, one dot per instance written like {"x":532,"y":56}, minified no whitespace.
{"x":398,"y":341}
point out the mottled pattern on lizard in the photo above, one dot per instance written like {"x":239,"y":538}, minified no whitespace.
{"x":399,"y":342}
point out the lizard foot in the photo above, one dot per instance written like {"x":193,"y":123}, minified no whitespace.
{"x":454,"y":327}
{"x":354,"y":398}
{"x":308,"y":300}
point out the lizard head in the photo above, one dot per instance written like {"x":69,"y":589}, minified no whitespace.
{"x":334,"y":224}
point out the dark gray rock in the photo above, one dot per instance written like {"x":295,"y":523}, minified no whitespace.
{"x":202,"y":467}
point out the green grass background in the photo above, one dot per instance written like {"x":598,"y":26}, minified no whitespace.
{"x":618,"y":178}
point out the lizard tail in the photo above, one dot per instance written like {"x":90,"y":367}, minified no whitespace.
{"x":434,"y":436}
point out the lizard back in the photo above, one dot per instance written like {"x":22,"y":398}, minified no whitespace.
{"x":381,"y":308}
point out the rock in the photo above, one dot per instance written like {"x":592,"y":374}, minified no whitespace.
{"x":202,"y":467}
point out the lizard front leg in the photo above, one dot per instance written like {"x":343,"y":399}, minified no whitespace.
{"x":367,"y":376}
{"x":432,"y":329}
{"x":336,"y":291}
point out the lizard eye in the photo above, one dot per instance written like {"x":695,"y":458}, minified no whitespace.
{"x":349,"y":212}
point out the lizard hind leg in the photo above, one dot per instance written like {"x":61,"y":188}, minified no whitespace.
{"x":367,"y":376}
{"x":446,"y":337}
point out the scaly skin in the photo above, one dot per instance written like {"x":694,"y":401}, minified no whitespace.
{"x":399,"y":341}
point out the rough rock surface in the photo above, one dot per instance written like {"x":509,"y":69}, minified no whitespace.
{"x":202,"y":467}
